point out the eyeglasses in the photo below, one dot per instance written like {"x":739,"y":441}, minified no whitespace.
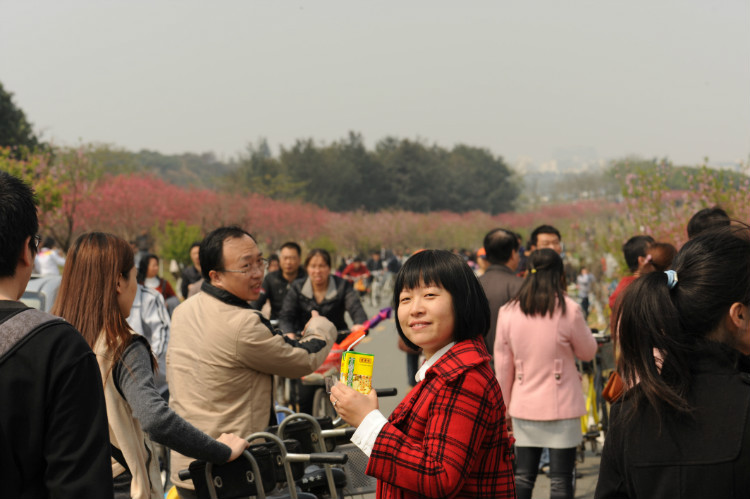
{"x":260,"y":265}
{"x":37,"y":241}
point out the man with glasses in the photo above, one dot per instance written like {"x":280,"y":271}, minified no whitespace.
{"x":222,"y":353}
{"x":54,"y":437}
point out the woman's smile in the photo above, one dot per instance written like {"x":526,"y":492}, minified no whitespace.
{"x":427,"y":317}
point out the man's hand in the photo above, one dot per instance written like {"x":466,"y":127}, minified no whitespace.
{"x":351,"y":405}
{"x":314,"y":314}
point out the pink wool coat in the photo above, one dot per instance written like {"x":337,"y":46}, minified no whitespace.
{"x":535,"y":362}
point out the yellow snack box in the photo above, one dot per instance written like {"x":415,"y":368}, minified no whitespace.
{"x":356,"y":371}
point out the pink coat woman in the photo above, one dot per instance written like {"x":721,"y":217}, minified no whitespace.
{"x":539,"y":335}
{"x":535,"y":361}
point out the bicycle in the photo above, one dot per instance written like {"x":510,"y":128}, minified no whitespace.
{"x":381,"y":287}
{"x":298,"y":439}
{"x":594,"y":423}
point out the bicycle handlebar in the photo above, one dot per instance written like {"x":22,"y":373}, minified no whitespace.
{"x":339,"y":432}
{"x":386,"y":392}
{"x":315,"y":457}
{"x":319,"y":457}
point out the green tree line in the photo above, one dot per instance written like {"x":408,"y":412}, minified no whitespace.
{"x":398,"y":174}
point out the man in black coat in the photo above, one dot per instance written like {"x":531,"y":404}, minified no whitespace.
{"x":499,"y":281}
{"x":276,"y":284}
{"x":54,"y":438}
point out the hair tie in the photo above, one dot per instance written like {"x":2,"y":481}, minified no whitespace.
{"x":533,"y":271}
{"x":671,"y":278}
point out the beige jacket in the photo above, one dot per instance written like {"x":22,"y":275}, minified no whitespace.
{"x":220,"y":365}
{"x":126,"y":434}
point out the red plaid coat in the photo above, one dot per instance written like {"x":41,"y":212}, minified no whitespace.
{"x":448,"y":437}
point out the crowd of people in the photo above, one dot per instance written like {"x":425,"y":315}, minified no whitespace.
{"x":85,"y":398}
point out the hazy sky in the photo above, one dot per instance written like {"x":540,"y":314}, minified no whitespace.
{"x":537,"y":79}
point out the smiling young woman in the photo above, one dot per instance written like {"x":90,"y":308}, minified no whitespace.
{"x":426,"y":316}
{"x":448,"y":437}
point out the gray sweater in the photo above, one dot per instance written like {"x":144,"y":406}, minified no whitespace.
{"x":134,"y":377}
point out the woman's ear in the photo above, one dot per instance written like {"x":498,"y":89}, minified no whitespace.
{"x":120,"y":284}
{"x":739,"y":318}
{"x":738,"y":315}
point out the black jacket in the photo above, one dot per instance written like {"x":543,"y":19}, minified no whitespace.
{"x":54,"y":438}
{"x":340,"y":298}
{"x":189,"y":276}
{"x":500,"y":285}
{"x":275,"y":288}
{"x":707,"y":456}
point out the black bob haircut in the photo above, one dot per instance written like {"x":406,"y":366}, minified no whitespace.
{"x":450,"y":272}
{"x":211,"y":252}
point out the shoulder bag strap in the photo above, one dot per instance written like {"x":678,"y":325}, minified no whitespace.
{"x":21,"y":326}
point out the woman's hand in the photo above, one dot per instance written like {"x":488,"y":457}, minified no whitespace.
{"x":235,"y":443}
{"x":509,"y":425}
{"x":351,"y":405}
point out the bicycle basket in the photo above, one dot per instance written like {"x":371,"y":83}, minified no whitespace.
{"x":356,"y":480}
{"x":236,"y":478}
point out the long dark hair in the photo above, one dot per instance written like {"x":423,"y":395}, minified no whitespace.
{"x":143,"y":267}
{"x":713,"y":272}
{"x":543,"y":290}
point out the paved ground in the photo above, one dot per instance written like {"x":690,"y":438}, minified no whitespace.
{"x":390,"y":371}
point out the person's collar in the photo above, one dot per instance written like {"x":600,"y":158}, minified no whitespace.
{"x":300,"y":273}
{"x":307,"y":289}
{"x":230,"y":299}
{"x":500,"y":268}
{"x":6,"y":304}
{"x":464,"y":355}
{"x":431,"y":361}
{"x":223,"y":295}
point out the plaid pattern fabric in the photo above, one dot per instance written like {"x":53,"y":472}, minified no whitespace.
{"x":448,"y":437}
